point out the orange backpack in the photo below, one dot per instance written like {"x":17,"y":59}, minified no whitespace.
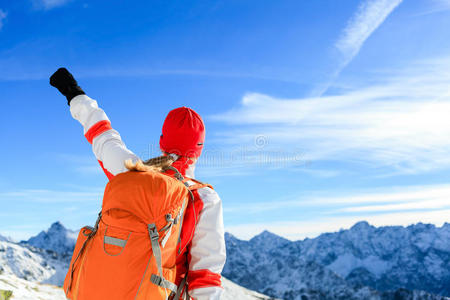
{"x":131,"y":251}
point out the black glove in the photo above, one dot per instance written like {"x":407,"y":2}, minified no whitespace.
{"x":66,"y":84}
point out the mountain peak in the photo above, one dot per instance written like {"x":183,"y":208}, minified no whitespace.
{"x":265,"y":235}
{"x":268,"y":238}
{"x":57,"y":226}
{"x":57,"y":238}
{"x":229,"y":236}
{"x":361,"y":225}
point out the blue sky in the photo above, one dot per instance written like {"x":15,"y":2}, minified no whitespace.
{"x":318,"y":113}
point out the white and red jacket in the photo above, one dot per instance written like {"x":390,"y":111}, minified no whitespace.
{"x":202,"y":236}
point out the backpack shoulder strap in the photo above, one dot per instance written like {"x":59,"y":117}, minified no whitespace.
{"x":197,"y":184}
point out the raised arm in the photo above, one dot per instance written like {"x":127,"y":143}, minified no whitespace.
{"x":107,"y":144}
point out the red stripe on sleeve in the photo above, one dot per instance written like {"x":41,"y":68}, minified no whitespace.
{"x":203,"y":278}
{"x":97,"y":129}
{"x":108,"y":174}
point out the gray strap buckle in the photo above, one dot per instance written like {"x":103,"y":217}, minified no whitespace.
{"x":153,"y":232}
{"x":156,"y":279}
{"x":164,"y":283}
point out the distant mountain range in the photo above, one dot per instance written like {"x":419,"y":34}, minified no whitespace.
{"x":363,"y":262}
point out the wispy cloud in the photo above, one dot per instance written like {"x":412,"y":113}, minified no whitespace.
{"x":2,"y":18}
{"x":442,"y":4}
{"x":93,"y":195}
{"x":381,"y":207}
{"x":83,"y":164}
{"x":400,"y":124}
{"x":130,"y":72}
{"x":435,"y":6}
{"x":367,"y":18}
{"x":406,"y":198}
{"x":49,"y":4}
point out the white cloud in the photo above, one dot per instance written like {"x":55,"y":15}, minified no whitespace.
{"x":401,"y":124}
{"x":368,"y":17}
{"x":441,"y":3}
{"x":419,"y":205}
{"x":426,"y":197}
{"x":435,"y":6}
{"x":403,"y":194}
{"x":83,"y":164}
{"x":381,"y":207}
{"x":49,"y":4}
{"x":416,"y":198}
{"x":91,"y":195}
{"x":2,"y":18}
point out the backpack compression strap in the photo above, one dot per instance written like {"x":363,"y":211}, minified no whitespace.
{"x":156,"y":246}
{"x":197,"y":184}
{"x":159,"y":280}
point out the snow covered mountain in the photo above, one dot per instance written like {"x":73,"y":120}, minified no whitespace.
{"x":57,"y":238}
{"x":363,"y":262}
{"x":415,"y":257}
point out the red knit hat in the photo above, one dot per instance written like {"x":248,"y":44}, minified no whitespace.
{"x":183,"y":133}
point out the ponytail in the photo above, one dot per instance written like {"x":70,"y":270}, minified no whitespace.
{"x":156,"y":164}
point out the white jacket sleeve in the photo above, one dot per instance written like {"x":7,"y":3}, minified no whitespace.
{"x":107,"y":144}
{"x":207,"y":253}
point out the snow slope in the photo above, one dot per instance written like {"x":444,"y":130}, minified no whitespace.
{"x":5,"y":239}
{"x":32,"y":264}
{"x":26,"y":290}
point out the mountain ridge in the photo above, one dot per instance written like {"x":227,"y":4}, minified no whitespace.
{"x":386,"y":259}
